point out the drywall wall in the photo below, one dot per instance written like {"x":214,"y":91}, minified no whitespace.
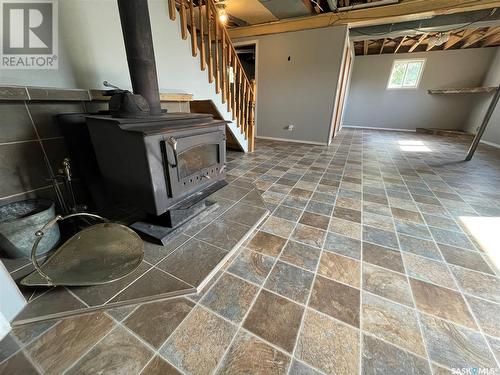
{"x":492,"y":133}
{"x":91,"y":50}
{"x":370,"y":104}
{"x":297,"y":75}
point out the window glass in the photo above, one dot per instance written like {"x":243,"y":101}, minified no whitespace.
{"x":406,"y":73}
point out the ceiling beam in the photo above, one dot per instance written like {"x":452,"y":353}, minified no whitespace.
{"x":405,"y":10}
{"x":400,"y":44}
{"x":365,"y":47}
{"x":495,"y":38}
{"x":473,"y":39}
{"x":418,"y":42}
{"x":383,"y":45}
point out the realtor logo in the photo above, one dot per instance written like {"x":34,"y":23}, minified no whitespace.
{"x":29,"y":34}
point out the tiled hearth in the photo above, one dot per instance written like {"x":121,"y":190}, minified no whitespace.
{"x":184,"y":266}
{"x":365,"y":266}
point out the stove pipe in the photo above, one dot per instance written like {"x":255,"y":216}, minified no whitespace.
{"x":136,"y":28}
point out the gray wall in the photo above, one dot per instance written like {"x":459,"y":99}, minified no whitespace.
{"x":300,"y":91}
{"x":369,"y":104}
{"x":492,"y":133}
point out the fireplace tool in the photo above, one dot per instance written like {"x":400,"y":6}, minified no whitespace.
{"x":99,"y":254}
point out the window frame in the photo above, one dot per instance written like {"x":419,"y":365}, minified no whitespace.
{"x":406,"y":61}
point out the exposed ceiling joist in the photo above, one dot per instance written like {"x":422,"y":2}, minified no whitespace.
{"x":417,"y":43}
{"x":476,"y":38}
{"x":405,"y":10}
{"x":458,"y":39}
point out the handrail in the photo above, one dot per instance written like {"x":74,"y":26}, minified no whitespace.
{"x":219,"y":55}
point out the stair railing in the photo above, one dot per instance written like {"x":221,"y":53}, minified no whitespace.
{"x":209,"y":36}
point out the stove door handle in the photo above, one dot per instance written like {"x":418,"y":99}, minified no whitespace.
{"x":172,"y":142}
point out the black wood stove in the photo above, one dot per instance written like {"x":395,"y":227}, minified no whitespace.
{"x":164,"y":163}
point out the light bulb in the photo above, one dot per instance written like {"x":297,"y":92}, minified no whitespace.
{"x":223,"y":17}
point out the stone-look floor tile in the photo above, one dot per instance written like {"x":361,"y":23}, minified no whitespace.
{"x":378,"y":221}
{"x":120,"y":313}
{"x":57,"y":349}
{"x":231,"y":192}
{"x":301,"y":255}
{"x":392,"y":322}
{"x":353,"y":204}
{"x":380,"y":237}
{"x":295,"y":202}
{"x":477,"y":284}
{"x":420,"y":247}
{"x":155,"y":321}
{"x":337,"y":300}
{"x":388,"y":284}
{"x":451,"y":238}
{"x":289,"y":213}
{"x":453,"y":346}
{"x":278,"y":226}
{"x":53,"y":302}
{"x":245,"y":214}
{"x":383,"y":257}
{"x":315,"y":220}
{"x":158,"y":366}
{"x":289,"y":281}
{"x":428,"y":270}
{"x":199,"y":343}
{"x":345,"y":228}
{"x":442,"y":302}
{"x":441,"y":222}
{"x":375,"y":208}
{"x":18,"y":364}
{"x":495,"y":346}
{"x":309,"y":235}
{"x":328,"y":345}
{"x":438,"y":370}
{"x":299,"y":368}
{"x":153,"y":253}
{"x":28,"y":332}
{"x":223,"y":234}
{"x":267,"y":243}
{"x":118,"y":352}
{"x":99,"y":294}
{"x":408,"y":215}
{"x":379,"y":198}
{"x":340,"y":268}
{"x":347,"y":214}
{"x":465,"y":258}
{"x":252,"y":266}
{"x":343,"y":245}
{"x":487,"y":315}
{"x":8,"y":346}
{"x":319,"y":208}
{"x":250,"y":355}
{"x":275,"y":319}
{"x":380,"y":358}
{"x":193,"y":261}
{"x":230,"y":297}
{"x":412,"y":229}
{"x":153,"y":283}
{"x":300,"y":193}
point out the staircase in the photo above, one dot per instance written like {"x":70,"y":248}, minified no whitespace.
{"x":210,"y":39}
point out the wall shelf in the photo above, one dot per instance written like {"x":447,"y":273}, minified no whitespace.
{"x":467,"y":90}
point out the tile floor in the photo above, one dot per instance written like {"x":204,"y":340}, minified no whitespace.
{"x":369,"y":264}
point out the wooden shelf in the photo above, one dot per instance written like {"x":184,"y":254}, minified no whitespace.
{"x":467,"y":90}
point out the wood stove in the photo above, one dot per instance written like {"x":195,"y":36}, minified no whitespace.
{"x":164,"y":163}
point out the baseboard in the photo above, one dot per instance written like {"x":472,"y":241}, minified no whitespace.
{"x":376,"y":128}
{"x":292,"y":140}
{"x":496,"y":145}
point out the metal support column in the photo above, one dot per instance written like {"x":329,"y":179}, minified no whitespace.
{"x":483,"y":126}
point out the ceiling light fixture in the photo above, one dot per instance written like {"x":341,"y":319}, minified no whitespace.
{"x":221,"y":10}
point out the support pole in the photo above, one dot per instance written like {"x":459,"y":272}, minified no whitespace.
{"x":483,"y":126}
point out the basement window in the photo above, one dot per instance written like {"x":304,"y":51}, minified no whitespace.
{"x":406,"y":74}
